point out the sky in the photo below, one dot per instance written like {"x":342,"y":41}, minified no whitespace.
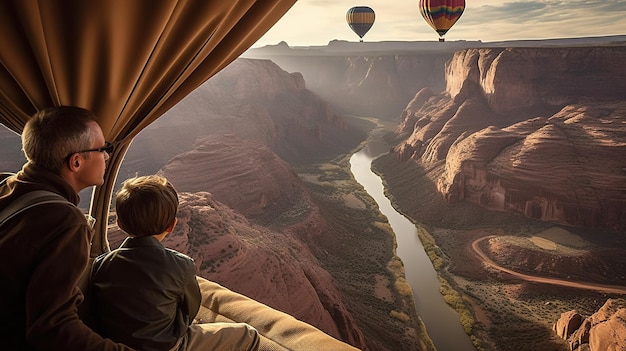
{"x":317,"y":22}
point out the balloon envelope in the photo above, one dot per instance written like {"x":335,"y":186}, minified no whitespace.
{"x":441,"y":15}
{"x":127,"y":61}
{"x":360,"y":19}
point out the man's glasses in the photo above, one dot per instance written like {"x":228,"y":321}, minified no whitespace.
{"x":108,"y":148}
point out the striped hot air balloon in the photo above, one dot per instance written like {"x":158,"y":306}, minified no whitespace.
{"x":360,"y":19}
{"x":441,"y":15}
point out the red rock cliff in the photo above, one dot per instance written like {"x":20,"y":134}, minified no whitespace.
{"x":253,"y":100}
{"x":604,"y":330}
{"x":537,"y":131}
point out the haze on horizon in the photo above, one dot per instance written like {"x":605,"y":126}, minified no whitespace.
{"x":317,"y":22}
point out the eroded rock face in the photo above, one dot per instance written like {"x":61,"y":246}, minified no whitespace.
{"x":264,"y":181}
{"x":369,"y":84}
{"x":514,"y":79}
{"x":253,"y":100}
{"x":569,"y":169}
{"x":568,"y":323}
{"x":602,"y":331}
{"x":536,"y":131}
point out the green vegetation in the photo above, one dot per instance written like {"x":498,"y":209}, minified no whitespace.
{"x":400,"y":315}
{"x":403,"y":287}
{"x":454,"y":299}
{"x":450,"y":295}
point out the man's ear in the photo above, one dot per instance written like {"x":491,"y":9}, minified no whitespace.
{"x":73,"y":162}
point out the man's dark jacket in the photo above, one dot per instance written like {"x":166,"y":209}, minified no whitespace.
{"x":43,"y":253}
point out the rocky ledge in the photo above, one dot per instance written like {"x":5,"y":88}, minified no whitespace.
{"x":604,"y":330}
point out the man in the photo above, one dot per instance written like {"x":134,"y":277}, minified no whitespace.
{"x":45,"y":249}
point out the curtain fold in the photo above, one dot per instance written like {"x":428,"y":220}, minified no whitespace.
{"x":127,"y":61}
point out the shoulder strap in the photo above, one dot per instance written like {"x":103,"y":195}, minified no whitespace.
{"x":28,"y":200}
{"x":4,"y":176}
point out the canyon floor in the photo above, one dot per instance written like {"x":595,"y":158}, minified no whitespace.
{"x":502,"y":306}
{"x":352,"y":259}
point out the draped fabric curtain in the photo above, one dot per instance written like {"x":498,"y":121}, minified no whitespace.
{"x":129,"y":61}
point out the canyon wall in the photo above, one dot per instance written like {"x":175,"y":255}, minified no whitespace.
{"x":253,"y":100}
{"x":539,"y":131}
{"x":379,"y":78}
{"x":376,"y":84}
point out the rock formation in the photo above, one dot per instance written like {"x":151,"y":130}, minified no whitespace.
{"x":378,"y":78}
{"x":253,"y":100}
{"x":265,"y":183}
{"x":373,"y":84}
{"x":604,"y":330}
{"x":537,"y":131}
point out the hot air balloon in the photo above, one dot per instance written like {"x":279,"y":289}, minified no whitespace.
{"x":441,"y":15}
{"x":360,"y":19}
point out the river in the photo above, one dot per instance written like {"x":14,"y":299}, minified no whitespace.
{"x":442,"y":322}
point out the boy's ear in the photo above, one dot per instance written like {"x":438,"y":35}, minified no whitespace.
{"x":171,"y":226}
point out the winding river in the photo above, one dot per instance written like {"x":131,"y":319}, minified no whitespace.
{"x":442,"y":322}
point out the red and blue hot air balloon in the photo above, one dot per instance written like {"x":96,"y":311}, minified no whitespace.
{"x":441,"y":15}
{"x":360,"y":19}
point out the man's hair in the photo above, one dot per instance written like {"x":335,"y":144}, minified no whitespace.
{"x":50,"y":135}
{"x":146,"y":205}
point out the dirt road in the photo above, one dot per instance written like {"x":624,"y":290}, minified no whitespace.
{"x":612,"y":289}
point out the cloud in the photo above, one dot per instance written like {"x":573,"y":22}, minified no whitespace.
{"x":520,"y":12}
{"x":317,"y":22}
{"x":543,"y":19}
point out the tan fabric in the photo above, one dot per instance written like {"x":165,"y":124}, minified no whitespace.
{"x":279,"y":331}
{"x":220,"y":336}
{"x":127,"y":61}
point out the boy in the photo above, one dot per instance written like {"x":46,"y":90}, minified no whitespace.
{"x":146,"y":295}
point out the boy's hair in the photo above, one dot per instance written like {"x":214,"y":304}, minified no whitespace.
{"x":146,"y":205}
{"x":55,"y":132}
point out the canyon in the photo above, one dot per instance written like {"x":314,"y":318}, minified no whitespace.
{"x":520,"y":129}
{"x":507,"y":133}
{"x":236,"y":149}
{"x":504,"y":140}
